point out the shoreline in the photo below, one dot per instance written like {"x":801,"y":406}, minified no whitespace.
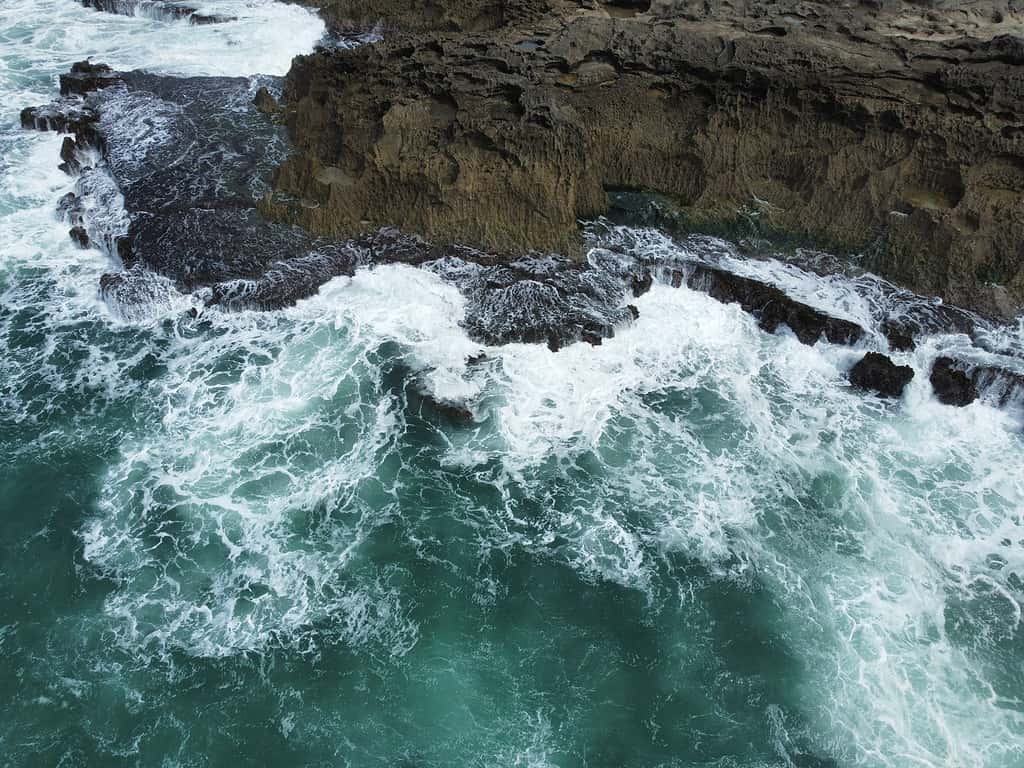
{"x":504,"y":135}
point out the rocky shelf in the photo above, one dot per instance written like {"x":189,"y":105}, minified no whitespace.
{"x":493,"y":145}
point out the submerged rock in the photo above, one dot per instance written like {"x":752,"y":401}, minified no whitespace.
{"x":877,"y":373}
{"x":951,"y":385}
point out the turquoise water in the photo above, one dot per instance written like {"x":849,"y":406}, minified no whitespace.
{"x":250,"y":539}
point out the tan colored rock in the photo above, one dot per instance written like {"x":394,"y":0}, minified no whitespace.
{"x":888,"y":128}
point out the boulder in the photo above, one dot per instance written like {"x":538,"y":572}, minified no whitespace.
{"x":877,"y":373}
{"x":951,"y":385}
{"x":900,"y":338}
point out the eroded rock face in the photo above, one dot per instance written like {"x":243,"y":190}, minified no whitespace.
{"x":890,"y":127}
{"x":877,"y":373}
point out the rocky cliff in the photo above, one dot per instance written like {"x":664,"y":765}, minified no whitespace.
{"x":890,"y":129}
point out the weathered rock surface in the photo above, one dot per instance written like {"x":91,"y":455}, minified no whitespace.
{"x":961,"y":382}
{"x":771,"y":306}
{"x":86,"y":77}
{"x":951,"y":385}
{"x":889,"y":127}
{"x":877,"y":373}
{"x":169,"y":171}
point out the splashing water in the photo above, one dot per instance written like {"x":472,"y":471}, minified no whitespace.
{"x":259,"y":537}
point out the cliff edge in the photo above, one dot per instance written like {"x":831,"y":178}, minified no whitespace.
{"x":889,"y":129}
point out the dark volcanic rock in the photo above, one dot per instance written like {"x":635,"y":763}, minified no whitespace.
{"x":79,"y":236}
{"x":67,"y":155}
{"x":952,"y":386}
{"x":62,"y":117}
{"x":999,"y":386}
{"x":771,"y":306}
{"x":454,"y":412}
{"x":69,"y":209}
{"x":542,"y":300}
{"x":641,"y":284}
{"x":899,"y":338}
{"x":877,"y":373}
{"x":961,"y":382}
{"x":86,"y":77}
{"x":891,"y":126}
{"x":153,"y":8}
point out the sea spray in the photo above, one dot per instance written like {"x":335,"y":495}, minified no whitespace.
{"x":260,"y":535}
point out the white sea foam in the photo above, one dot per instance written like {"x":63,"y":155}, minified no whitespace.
{"x":265,"y":450}
{"x":263,"y":39}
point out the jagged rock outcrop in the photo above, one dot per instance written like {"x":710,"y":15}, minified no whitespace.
{"x":895,"y":129}
{"x":770,"y":305}
{"x":877,"y":373}
{"x":951,"y":385}
{"x":392,"y":16}
{"x":961,"y":382}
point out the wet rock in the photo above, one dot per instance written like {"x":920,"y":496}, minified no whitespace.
{"x":286,"y":282}
{"x":137,"y":293}
{"x":160,"y":9}
{"x":541,"y":300}
{"x":86,"y":77}
{"x":61,"y":116}
{"x":79,"y":236}
{"x":771,"y":306}
{"x":961,"y":382}
{"x":641,"y":284}
{"x":265,"y":102}
{"x":951,"y":385}
{"x":998,"y":386}
{"x":69,"y":209}
{"x":877,"y":373}
{"x":899,"y":337}
{"x":202,"y":19}
{"x":68,"y":154}
{"x":452,"y":411}
{"x":123,"y":249}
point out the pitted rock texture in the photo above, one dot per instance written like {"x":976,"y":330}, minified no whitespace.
{"x":891,"y":129}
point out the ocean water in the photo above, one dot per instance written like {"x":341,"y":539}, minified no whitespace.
{"x":250,"y":538}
